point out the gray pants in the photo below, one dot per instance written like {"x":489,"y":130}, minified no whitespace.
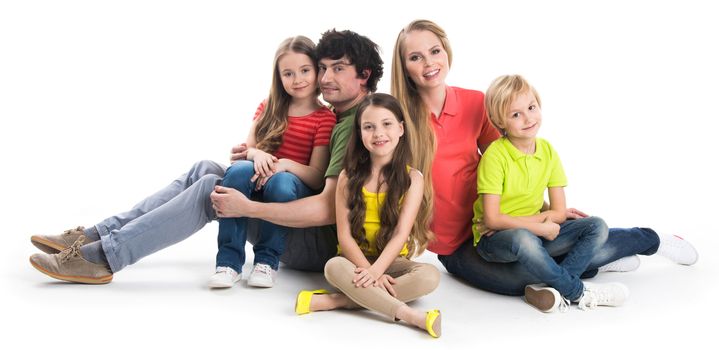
{"x":182,"y":208}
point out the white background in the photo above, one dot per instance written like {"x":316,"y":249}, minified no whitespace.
{"x":102,"y":103}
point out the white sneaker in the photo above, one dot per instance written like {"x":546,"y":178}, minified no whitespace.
{"x":605,"y":294}
{"x":224,"y":277}
{"x":262,"y":276}
{"x":677,"y":250}
{"x":544,"y":298}
{"x":625,"y":264}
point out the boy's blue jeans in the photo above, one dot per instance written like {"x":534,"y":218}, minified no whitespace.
{"x":511,"y":278}
{"x":281,"y":187}
{"x":578,"y":239}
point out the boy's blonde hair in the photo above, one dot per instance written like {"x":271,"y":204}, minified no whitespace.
{"x":501,"y":93}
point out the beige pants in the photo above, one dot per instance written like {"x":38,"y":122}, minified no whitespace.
{"x":413,"y":280}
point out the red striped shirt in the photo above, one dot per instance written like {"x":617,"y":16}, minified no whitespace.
{"x":303,"y":134}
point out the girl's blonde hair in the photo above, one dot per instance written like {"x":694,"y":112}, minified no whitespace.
{"x":273,"y":122}
{"x":501,"y":93}
{"x":358,"y":167}
{"x":423,"y":143}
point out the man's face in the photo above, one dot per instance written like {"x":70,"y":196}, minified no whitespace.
{"x":340,"y":84}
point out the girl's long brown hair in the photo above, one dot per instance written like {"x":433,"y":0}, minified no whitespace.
{"x":358,"y":167}
{"x":273,"y":122}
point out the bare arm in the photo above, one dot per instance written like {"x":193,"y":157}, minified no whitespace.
{"x":496,"y":221}
{"x":312,"y":174}
{"x":408,"y":213}
{"x":350,"y":249}
{"x":317,"y":210}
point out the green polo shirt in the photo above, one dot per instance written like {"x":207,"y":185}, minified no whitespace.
{"x":520,"y":179}
{"x":338,"y":141}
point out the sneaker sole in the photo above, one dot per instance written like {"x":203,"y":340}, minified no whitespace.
{"x":543,"y":300}
{"x":221,"y":285}
{"x":76,"y":279}
{"x":260,"y":284}
{"x":46,"y":246}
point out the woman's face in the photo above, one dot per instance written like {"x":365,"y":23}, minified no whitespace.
{"x":425,"y":59}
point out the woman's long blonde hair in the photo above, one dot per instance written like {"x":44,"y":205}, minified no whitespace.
{"x":423,"y":145}
{"x":273,"y":122}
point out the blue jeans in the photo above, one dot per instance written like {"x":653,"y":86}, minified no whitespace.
{"x":281,"y":187}
{"x":169,"y":216}
{"x":182,"y":208}
{"x":579,"y":240}
{"x":511,"y":278}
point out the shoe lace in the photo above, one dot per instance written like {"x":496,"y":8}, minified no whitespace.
{"x":594,"y":297}
{"x":71,"y":251}
{"x":74,"y":230}
{"x":226,"y":269}
{"x":588,"y":301}
{"x":563,"y":304}
{"x":263,"y":269}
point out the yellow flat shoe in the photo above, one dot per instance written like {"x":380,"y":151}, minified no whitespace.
{"x":433,"y":322}
{"x":302,"y":305}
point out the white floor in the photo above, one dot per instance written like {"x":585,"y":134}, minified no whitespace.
{"x":163,"y":301}
{"x":103,"y":103}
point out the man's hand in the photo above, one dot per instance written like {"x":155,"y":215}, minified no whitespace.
{"x":238,"y":152}
{"x":229,"y":202}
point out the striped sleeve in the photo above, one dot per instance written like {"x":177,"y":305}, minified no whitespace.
{"x":326,"y":123}
{"x":260,"y":110}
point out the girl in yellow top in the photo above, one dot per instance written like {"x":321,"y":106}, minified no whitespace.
{"x":377,"y":203}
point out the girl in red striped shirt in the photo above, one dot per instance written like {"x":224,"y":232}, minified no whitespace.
{"x":288,"y":154}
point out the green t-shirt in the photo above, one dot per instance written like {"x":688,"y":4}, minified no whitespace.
{"x":520,"y":179}
{"x":338,"y":141}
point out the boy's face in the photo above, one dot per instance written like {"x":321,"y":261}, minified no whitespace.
{"x":524,"y":117}
{"x":340,"y":83}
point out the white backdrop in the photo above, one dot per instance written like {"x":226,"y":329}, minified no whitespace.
{"x":104,"y":102}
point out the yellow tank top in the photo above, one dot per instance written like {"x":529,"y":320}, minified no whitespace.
{"x":373,"y":204}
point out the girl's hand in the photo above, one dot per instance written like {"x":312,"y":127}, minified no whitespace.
{"x":238,"y":152}
{"x":264,"y":163}
{"x":364,"y":277}
{"x":385,"y":282}
{"x":280,"y":166}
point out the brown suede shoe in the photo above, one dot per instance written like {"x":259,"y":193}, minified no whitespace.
{"x":68,"y":265}
{"x":57,"y":243}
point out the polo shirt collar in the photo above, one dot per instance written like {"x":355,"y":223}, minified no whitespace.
{"x":450,"y":102}
{"x":517,"y":154}
{"x":347,"y":113}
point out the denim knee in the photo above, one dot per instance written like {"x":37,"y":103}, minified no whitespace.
{"x":599,"y":228}
{"x":524,"y":242}
{"x":239,"y":174}
{"x":282,"y":187}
